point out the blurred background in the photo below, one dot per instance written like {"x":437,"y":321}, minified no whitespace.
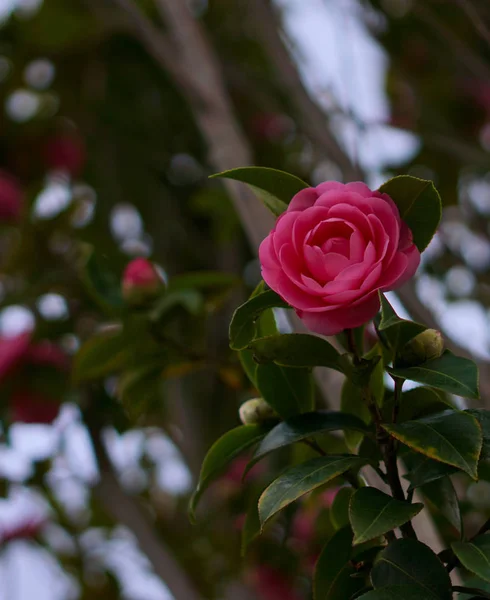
{"x":113,"y":113}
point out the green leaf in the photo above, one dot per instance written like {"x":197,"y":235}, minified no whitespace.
{"x":275,"y":188}
{"x":222,"y":453}
{"x":475,"y":555}
{"x":352,"y":403}
{"x":301,"y":479}
{"x":333,"y":571}
{"x":452,"y":437}
{"x":398,"y":592}
{"x":448,"y":373}
{"x":421,"y":402}
{"x":372,"y":513}
{"x":339,"y":511}
{"x":243,"y":323}
{"x":409,"y":562}
{"x":443,"y":499}
{"x":423,"y":470}
{"x":103,"y":354}
{"x":249,"y":365}
{"x":296,"y":350}
{"x":290,"y":391}
{"x":419,"y":204}
{"x":140,"y":389}
{"x":397,"y":331}
{"x":190,"y":300}
{"x":101,"y":282}
{"x":483,"y":417}
{"x":303,"y":426}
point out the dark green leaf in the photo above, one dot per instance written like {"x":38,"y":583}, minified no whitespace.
{"x":222,"y":453}
{"x":475,"y":555}
{"x":191,"y":301}
{"x":301,"y":479}
{"x":448,"y":373}
{"x":249,"y":365}
{"x":303,"y":426}
{"x":372,"y":513}
{"x":332,"y":580}
{"x":103,"y":354}
{"x":452,"y":437}
{"x":339,"y":511}
{"x":290,"y":391}
{"x":421,"y":402}
{"x":275,"y":188}
{"x":140,"y":389}
{"x":352,"y":403}
{"x":101,"y":282}
{"x":423,"y":469}
{"x":483,"y":417}
{"x":296,"y":350}
{"x":409,"y":562}
{"x":243,"y":324}
{"x":419,"y":204}
{"x":443,"y":499}
{"x":398,"y":592}
{"x":397,"y":331}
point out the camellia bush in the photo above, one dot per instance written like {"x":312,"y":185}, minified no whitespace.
{"x":334,"y":252}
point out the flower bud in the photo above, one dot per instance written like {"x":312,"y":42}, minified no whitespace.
{"x":425,"y":346}
{"x":141,"y":282}
{"x":256,"y":411}
{"x":65,"y":152}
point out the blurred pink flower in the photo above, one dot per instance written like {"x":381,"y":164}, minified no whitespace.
{"x":272,"y":584}
{"x":11,"y":198}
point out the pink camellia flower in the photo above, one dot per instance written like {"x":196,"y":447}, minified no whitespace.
{"x":141,"y":281}
{"x":11,"y":198}
{"x":12,"y":353}
{"x":333,"y":249}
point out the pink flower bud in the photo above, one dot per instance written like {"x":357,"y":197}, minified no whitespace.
{"x":28,"y":406}
{"x":11,"y":198}
{"x":65,"y":152}
{"x":141,"y":282}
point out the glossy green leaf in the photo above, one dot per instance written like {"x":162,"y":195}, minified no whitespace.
{"x":483,"y":417}
{"x":275,"y":188}
{"x":421,"y":402}
{"x":410,"y":562}
{"x":475,"y":555}
{"x":372,"y":513}
{"x":222,"y":453}
{"x":296,"y":350}
{"x":103,"y":354}
{"x":339,"y":511}
{"x":301,"y":479}
{"x":423,"y":470}
{"x":249,"y":365}
{"x":398,"y":592}
{"x":303,"y":426}
{"x":396,"y":330}
{"x":332,"y":579}
{"x":448,"y":373}
{"x":290,"y":391}
{"x":243,"y":324}
{"x":453,"y":437}
{"x":352,"y":403}
{"x":419,"y":204}
{"x":443,"y":499}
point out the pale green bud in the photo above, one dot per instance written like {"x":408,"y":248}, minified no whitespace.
{"x":425,"y":346}
{"x":256,"y":411}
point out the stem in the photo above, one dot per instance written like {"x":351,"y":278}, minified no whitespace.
{"x":470,"y":590}
{"x":351,"y":343}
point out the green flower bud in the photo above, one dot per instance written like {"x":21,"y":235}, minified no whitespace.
{"x":256,"y":411}
{"x":425,"y":346}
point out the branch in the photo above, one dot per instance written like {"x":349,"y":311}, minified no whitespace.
{"x":125,"y":509}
